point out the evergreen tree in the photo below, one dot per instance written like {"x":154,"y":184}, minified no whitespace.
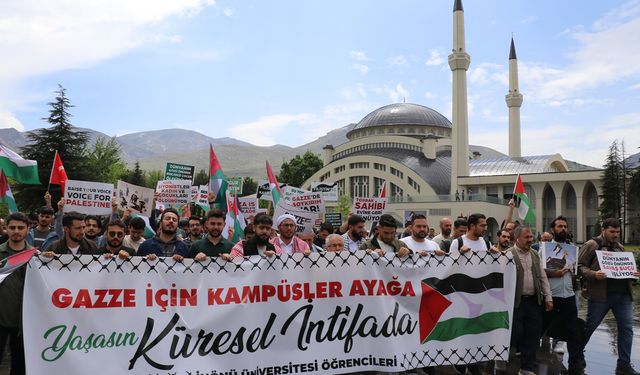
{"x":249,"y":186}
{"x":152,"y":178}
{"x":104,"y":160}
{"x":201,"y":178}
{"x":297,"y":170}
{"x":137,"y":175}
{"x":612,"y":184}
{"x":62,"y":136}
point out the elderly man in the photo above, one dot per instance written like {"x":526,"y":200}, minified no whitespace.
{"x":287,"y":239}
{"x":334,"y":243}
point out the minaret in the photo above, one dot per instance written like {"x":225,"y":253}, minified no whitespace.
{"x":514,"y":101}
{"x":459,"y":61}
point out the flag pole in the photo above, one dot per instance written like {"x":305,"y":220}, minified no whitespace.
{"x":51,"y":174}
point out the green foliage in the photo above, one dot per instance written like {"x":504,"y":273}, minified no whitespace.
{"x":249,"y":186}
{"x":201,"y":178}
{"x":136,"y":176}
{"x":611,"y":205}
{"x":152,"y":178}
{"x":62,"y":136}
{"x":104,"y":160}
{"x":344,"y":206}
{"x":299,"y":169}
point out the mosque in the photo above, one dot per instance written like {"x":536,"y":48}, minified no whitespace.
{"x":429,"y":166}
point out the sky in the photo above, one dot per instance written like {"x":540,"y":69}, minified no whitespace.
{"x":287,"y":72}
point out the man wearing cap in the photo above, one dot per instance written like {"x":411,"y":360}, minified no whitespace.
{"x":287,"y":240}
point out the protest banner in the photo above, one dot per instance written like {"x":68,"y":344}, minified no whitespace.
{"x":91,"y":198}
{"x":173,"y":192}
{"x":175,"y":171}
{"x":289,"y":191}
{"x":329,"y":191}
{"x":136,"y":198}
{"x":264,"y":191}
{"x":325,"y":313}
{"x":234,"y":185}
{"x":308,"y":201}
{"x":334,"y":218}
{"x":200,"y":196}
{"x":369,"y":208}
{"x":305,"y":220}
{"x":556,"y":256}
{"x":617,"y":264}
{"x":248,"y":205}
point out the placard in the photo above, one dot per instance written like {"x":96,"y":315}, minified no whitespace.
{"x":136,"y":198}
{"x":173,"y":192}
{"x":234,"y":185}
{"x":617,"y":264}
{"x":369,"y":208}
{"x":305,"y":220}
{"x":556,"y":256}
{"x":91,"y":198}
{"x":334,"y":218}
{"x":264,"y":192}
{"x":175,"y":171}
{"x":248,"y":205}
{"x":329,"y":191}
{"x":308,"y":201}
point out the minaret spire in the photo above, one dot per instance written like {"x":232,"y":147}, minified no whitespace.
{"x":514,"y":102}
{"x":459,"y":61}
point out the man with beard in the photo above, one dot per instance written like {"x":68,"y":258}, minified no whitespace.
{"x":214,"y":244}
{"x":504,"y":240}
{"x":115,"y":235}
{"x":459,"y":230}
{"x":287,"y":239}
{"x":42,"y":230}
{"x":195,"y":230}
{"x":91,"y":228}
{"x":165,"y":243}
{"x":355,"y":235}
{"x":259,"y":244}
{"x":73,"y":241}
{"x":385,"y":240}
{"x":565,"y":311}
{"x":474,"y":239}
{"x":11,"y":291}
{"x":418,"y":241}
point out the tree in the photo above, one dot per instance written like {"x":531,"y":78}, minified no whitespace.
{"x":152,"y":178}
{"x":249,"y":186}
{"x":343,"y":206}
{"x":612,"y":184}
{"x":105,"y":162}
{"x":136,"y":176}
{"x":299,"y":169}
{"x":62,"y":136}
{"x":201,"y":178}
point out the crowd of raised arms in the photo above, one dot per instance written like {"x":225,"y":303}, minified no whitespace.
{"x":544,"y":298}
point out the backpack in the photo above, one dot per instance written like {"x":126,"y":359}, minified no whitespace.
{"x":461,"y":243}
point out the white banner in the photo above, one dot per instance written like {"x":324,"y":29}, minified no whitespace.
{"x":136,"y":198}
{"x":91,"y":198}
{"x":173,"y":192}
{"x":369,"y":208}
{"x":617,"y":264}
{"x":327,"y":313}
{"x":200,"y":196}
{"x":264,"y":192}
{"x":309,"y":201}
{"x":329,"y":191}
{"x":305,"y":220}
{"x":248,"y":205}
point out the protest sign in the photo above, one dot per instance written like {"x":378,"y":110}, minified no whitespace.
{"x":91,"y":198}
{"x":556,"y":256}
{"x":335,"y":313}
{"x":305,"y":220}
{"x":200,"y":196}
{"x":264,"y":192}
{"x":369,"y":208}
{"x":289,"y":191}
{"x":136,"y":198}
{"x":334,"y":218}
{"x":175,"y":171}
{"x":173,"y":192}
{"x":329,"y":191}
{"x":617,"y":264}
{"x":234,"y":185}
{"x":308,"y":201}
{"x":248,"y":205}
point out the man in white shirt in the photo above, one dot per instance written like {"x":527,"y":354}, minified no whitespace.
{"x":445,"y":231}
{"x":418,"y":241}
{"x":474,"y":239}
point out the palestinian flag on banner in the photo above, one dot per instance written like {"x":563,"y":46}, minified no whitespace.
{"x":5,"y":193}
{"x":273,"y":185}
{"x":525,"y":211}
{"x":234,"y":219}
{"x":9,"y":264}
{"x":21,"y":170}
{"x":217,"y":180}
{"x":148,"y":231}
{"x":461,"y":305}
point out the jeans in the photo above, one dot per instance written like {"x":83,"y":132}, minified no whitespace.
{"x":16,"y":346}
{"x":620,"y":304}
{"x":527,"y":330}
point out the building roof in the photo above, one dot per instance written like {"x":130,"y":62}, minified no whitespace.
{"x":522,"y":165}
{"x":403,"y":114}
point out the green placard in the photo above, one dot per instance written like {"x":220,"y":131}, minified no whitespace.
{"x":175,"y":171}
{"x":234,"y":185}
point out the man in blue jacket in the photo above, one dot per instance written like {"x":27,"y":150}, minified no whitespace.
{"x":165,"y":243}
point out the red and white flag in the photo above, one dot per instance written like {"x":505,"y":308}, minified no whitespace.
{"x":58,"y":174}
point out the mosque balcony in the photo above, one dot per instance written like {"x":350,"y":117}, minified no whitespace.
{"x":449,"y":198}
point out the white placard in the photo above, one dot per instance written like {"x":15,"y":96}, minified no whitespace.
{"x":617,"y":264}
{"x":369,"y":208}
{"x":173,"y":192}
{"x":329,"y":191}
{"x":91,"y":198}
{"x":136,"y":198}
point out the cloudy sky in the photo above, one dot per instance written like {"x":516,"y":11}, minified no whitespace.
{"x":287,"y":72}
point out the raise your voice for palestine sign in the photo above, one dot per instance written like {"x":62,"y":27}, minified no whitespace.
{"x":91,"y":198}
{"x":326,"y":313}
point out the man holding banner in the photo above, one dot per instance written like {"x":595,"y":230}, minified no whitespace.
{"x":259,"y":244}
{"x":165,"y":243}
{"x":354,"y":237}
{"x":214,"y":244}
{"x":287,"y":239}
{"x":385,"y":241}
{"x":73,"y":241}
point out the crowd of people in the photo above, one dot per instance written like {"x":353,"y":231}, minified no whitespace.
{"x":544,"y":298}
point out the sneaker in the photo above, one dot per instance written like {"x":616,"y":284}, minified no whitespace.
{"x":626,"y":369}
{"x":558,"y":348}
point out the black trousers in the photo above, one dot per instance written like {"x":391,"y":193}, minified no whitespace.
{"x":563,"y":325}
{"x":527,"y":330}
{"x":16,"y":348}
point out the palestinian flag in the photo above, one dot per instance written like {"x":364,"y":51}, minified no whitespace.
{"x":9,"y":264}
{"x":5,"y":193}
{"x":525,"y":211}
{"x":461,"y":305}
{"x":234,"y":219}
{"x":21,"y":170}
{"x":217,"y":180}
{"x":148,"y":231}
{"x":273,"y":185}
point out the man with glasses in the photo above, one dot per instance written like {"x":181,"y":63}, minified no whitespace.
{"x":287,"y":240}
{"x":195,"y":230}
{"x":114,"y":245}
